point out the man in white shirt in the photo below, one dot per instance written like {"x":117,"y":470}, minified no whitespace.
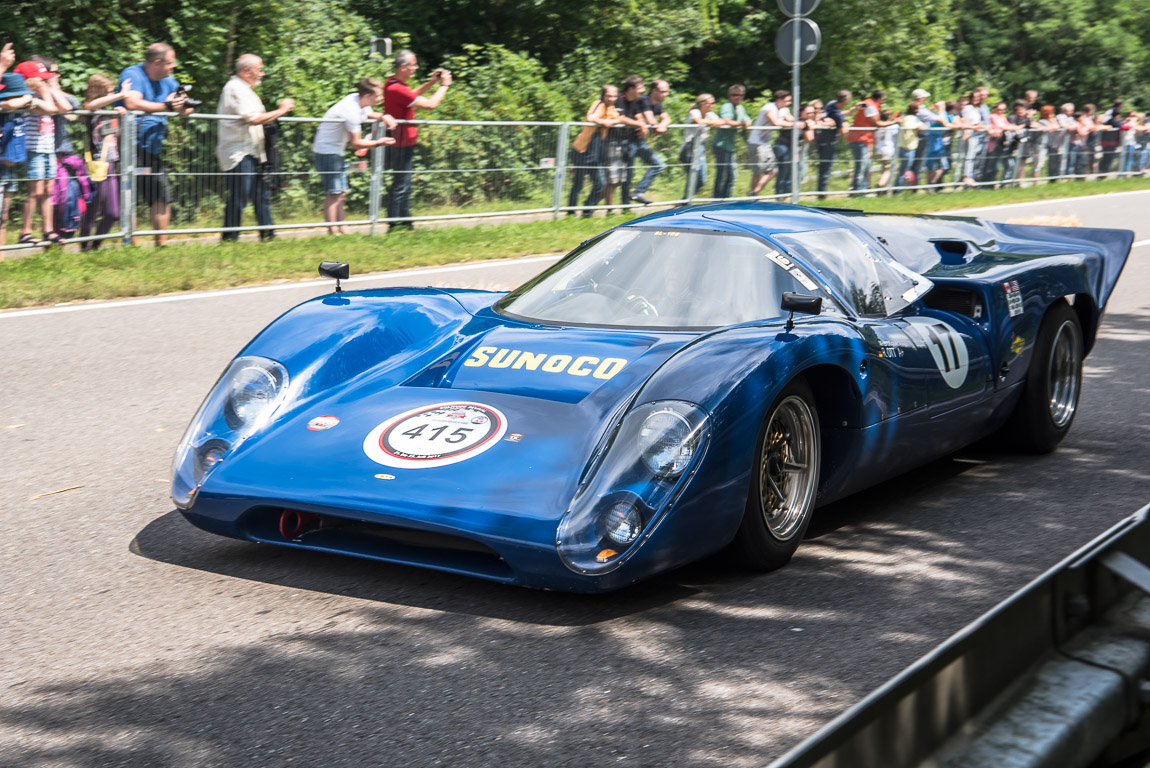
{"x":341,"y":127}
{"x":240,"y":146}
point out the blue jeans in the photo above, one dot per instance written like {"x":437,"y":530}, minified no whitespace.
{"x":1076,"y":166}
{"x":696,"y":180}
{"x":860,"y":179}
{"x":1130,"y":158}
{"x":400,"y":161}
{"x":654,"y":163}
{"x":975,"y":151}
{"x":783,"y":159}
{"x":724,"y":171}
{"x":245,"y":182}
{"x":586,"y":165}
{"x":905,"y":163}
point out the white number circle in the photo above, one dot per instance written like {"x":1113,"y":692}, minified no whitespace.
{"x":435,"y":435}
{"x":946,"y":346}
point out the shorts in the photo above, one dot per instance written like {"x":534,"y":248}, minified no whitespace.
{"x":615,"y":162}
{"x":41,"y":165}
{"x":762,"y":159}
{"x":10,"y":175}
{"x":152,"y":178}
{"x":332,"y":171}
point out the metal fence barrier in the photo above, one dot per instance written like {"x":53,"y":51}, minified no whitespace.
{"x":476,"y":169}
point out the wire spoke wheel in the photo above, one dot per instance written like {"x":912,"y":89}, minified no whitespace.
{"x":787,"y":474}
{"x":1064,"y":374}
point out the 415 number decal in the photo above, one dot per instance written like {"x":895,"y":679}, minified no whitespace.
{"x":435,"y":435}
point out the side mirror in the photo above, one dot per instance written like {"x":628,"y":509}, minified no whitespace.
{"x":336,"y":270}
{"x":800,"y":302}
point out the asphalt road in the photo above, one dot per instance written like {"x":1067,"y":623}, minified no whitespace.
{"x":131,"y":638}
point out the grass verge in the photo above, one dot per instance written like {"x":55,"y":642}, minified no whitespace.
{"x":56,"y":276}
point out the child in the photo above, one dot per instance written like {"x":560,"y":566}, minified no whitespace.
{"x":40,"y":135}
{"x":103,"y":135}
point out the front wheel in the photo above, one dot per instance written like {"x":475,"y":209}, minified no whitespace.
{"x":1053,"y":382}
{"x":784,"y":481}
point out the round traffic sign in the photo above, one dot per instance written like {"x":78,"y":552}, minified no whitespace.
{"x":794,"y":8}
{"x":809,"y":39}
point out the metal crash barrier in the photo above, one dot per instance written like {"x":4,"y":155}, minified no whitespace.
{"x":485,"y":169}
{"x":1054,"y":676}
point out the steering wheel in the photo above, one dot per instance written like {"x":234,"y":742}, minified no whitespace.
{"x":634,"y":302}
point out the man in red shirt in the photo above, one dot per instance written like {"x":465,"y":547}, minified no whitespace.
{"x":400,"y":102}
{"x":861,"y":139}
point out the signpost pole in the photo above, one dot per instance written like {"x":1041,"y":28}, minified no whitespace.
{"x":795,"y":180}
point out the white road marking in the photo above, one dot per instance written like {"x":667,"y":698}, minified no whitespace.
{"x":961,"y":211}
{"x":401,"y":274}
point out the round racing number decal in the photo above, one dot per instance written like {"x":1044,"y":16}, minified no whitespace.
{"x":946,"y":346}
{"x":435,"y":435}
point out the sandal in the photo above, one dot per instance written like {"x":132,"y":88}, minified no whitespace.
{"x":53,"y":238}
{"x":27,"y":239}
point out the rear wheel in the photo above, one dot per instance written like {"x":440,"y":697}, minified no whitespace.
{"x":784,"y":481}
{"x":1053,"y":382}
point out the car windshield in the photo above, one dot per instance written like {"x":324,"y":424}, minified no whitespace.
{"x":654,"y":278}
{"x":873,"y":284}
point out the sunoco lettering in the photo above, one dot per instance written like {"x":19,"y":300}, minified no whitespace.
{"x":584,"y":365}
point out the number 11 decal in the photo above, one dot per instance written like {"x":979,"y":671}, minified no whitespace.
{"x":947,"y":348}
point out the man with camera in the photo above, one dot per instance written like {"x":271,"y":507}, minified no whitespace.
{"x":241,"y":148}
{"x":151,"y":89}
{"x":400,"y":102}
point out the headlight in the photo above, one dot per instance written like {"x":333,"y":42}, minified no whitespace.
{"x":253,"y":388}
{"x":644,"y":466}
{"x":667,"y":442}
{"x":244,"y":398}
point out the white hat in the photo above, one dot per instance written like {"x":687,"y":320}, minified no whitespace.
{"x":919,"y":93}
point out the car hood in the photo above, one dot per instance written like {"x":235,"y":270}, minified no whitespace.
{"x":557,"y":391}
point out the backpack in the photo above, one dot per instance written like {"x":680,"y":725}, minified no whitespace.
{"x":13,"y":144}
{"x":70,"y":194}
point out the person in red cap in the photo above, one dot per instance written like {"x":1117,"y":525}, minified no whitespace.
{"x":40,"y":136}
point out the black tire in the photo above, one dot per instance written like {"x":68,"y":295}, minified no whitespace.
{"x":1053,"y":383}
{"x":786,"y":461}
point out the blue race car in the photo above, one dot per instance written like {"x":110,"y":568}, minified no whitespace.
{"x":694,"y":381}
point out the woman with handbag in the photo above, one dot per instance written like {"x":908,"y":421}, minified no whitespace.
{"x":102,"y":158}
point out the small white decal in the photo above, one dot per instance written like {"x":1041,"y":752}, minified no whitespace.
{"x":1013,"y":297}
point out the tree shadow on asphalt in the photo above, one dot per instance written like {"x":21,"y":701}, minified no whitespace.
{"x":970,"y":489}
{"x":702,"y":666}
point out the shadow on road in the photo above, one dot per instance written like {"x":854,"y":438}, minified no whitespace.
{"x":703,"y":666}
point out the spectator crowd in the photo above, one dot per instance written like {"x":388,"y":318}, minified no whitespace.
{"x":967,"y":142}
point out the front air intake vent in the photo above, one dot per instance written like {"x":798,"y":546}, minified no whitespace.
{"x":954,"y":300}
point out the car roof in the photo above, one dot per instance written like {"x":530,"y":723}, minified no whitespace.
{"x":760,"y":218}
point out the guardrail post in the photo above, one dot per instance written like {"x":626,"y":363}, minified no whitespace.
{"x":560,"y":169}
{"x":128,"y":176}
{"x":376,"y":176}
